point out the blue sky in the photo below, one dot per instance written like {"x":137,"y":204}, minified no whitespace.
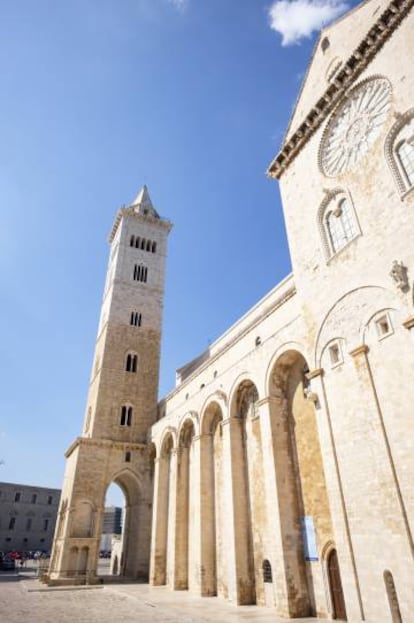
{"x":99,"y":97}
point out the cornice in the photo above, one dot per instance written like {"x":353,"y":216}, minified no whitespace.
{"x":118,"y":445}
{"x":379,"y":33}
{"x":130,"y":211}
{"x":230,"y":344}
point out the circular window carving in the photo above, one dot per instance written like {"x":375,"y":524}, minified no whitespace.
{"x":355,"y":126}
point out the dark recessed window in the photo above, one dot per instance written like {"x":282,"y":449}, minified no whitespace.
{"x":267,"y":571}
{"x":131,"y":363}
{"x":17,"y":497}
{"x":135,"y":319}
{"x":140,"y":273}
{"x":126,"y":416}
{"x":49,"y":499}
{"x":34,"y":498}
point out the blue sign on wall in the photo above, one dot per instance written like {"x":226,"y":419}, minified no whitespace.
{"x":309,"y":539}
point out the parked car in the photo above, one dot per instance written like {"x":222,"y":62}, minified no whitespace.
{"x":7,"y":563}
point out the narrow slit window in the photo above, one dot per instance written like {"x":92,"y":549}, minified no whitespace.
{"x":384,"y":326}
{"x":136,"y":319}
{"x":131,"y":363}
{"x":132,"y":241}
{"x":154,"y":247}
{"x":126,"y":416}
{"x":140,"y":273}
{"x":335,"y":354}
{"x":267,"y":572}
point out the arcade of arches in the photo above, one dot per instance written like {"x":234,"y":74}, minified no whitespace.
{"x":233,"y":485}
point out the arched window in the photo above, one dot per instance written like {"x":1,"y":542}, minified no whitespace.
{"x":140,"y":273}
{"x":337,"y":222}
{"x":132,"y":241}
{"x":143,"y":244}
{"x":399,"y":151}
{"x":126,"y":416}
{"x":131,"y":363}
{"x":154,"y":247}
{"x":135,"y":319}
{"x":148,"y":245}
{"x":405,"y":153}
{"x":267,"y":571}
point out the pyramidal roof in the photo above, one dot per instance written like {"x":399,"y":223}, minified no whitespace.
{"x":142,"y":204}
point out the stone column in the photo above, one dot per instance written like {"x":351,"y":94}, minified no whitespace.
{"x":207,"y":524}
{"x":337,"y":505}
{"x":195,"y":536}
{"x":240,"y":571}
{"x":281,"y":519}
{"x":159,"y":522}
{"x":181,"y":519}
{"x":171,"y":519}
{"x":364,"y":371}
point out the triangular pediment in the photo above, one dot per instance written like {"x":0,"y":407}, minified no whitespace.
{"x":334,"y":46}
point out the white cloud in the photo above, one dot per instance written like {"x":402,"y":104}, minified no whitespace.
{"x":180,"y":5}
{"x":298,"y":19}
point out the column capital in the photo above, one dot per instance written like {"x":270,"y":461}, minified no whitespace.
{"x":359,"y":350}
{"x":230,"y":420}
{"x":313,"y":374}
{"x":268,"y":400}
{"x":409,"y":323}
{"x":201,"y":436}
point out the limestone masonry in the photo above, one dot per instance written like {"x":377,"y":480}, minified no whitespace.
{"x":280,"y":470}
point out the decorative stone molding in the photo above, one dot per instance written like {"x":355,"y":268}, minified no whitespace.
{"x":129,"y":211}
{"x":313,"y":374}
{"x":399,"y":274}
{"x":354,"y":126}
{"x":379,"y":33}
{"x":330,"y":194}
{"x":359,"y":350}
{"x":402,"y":120}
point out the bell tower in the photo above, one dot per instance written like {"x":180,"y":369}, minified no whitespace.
{"x":121,"y":405}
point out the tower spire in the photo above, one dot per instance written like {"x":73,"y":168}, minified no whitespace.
{"x":143,"y":204}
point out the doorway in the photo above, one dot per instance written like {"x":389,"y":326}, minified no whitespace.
{"x":335,"y":585}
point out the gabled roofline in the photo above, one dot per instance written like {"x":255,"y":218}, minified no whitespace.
{"x":376,"y":37}
{"x":322,"y":33}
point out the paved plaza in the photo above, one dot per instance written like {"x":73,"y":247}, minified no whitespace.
{"x":24,"y":600}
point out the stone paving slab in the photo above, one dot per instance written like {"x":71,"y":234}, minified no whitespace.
{"x":24,"y":600}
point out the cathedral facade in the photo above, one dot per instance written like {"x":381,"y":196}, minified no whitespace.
{"x":279,"y":471}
